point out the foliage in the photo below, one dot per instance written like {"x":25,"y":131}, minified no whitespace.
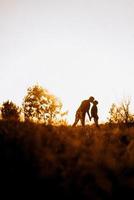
{"x":69,"y":163}
{"x":10,"y":111}
{"x":121,"y":113}
{"x":41,"y":106}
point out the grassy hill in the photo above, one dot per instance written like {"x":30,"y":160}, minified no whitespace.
{"x":66,"y":162}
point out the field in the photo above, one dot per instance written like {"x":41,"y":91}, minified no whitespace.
{"x":66,"y":162}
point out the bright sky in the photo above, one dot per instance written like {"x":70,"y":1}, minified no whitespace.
{"x":73,"y":48}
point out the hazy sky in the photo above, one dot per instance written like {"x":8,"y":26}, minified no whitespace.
{"x":73,"y":48}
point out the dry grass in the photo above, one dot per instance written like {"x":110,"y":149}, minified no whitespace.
{"x":67,"y":162}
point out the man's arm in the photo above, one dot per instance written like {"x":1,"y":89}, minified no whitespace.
{"x":89,"y":115}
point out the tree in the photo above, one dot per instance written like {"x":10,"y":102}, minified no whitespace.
{"x":9,"y":111}
{"x":41,"y":106}
{"x":121,"y":113}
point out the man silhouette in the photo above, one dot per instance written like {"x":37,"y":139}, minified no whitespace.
{"x":82,"y":110}
{"x":94,"y":113}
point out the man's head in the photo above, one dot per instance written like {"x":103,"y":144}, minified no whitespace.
{"x":91,"y":99}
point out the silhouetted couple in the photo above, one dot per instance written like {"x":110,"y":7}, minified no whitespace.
{"x":84,"y":108}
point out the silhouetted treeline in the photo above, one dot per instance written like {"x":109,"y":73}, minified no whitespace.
{"x":39,"y":106}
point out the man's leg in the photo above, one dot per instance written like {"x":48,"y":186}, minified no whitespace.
{"x":76,"y":119}
{"x":82,"y":118}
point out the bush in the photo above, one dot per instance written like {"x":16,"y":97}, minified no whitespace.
{"x":10,"y":111}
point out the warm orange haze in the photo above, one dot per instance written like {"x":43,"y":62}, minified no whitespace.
{"x":75,"y":49}
{"x":67,"y":99}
